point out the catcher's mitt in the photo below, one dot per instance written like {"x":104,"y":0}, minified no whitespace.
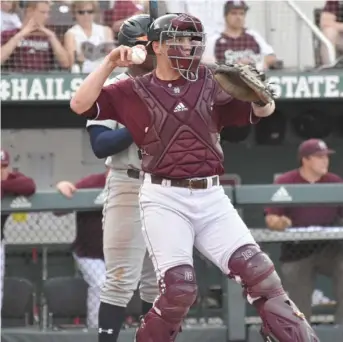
{"x":244,"y":82}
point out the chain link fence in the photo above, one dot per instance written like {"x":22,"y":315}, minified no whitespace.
{"x":40,"y":251}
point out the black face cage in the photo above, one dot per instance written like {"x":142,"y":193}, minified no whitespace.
{"x":198,"y":44}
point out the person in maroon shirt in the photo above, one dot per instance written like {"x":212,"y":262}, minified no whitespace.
{"x":302,"y":260}
{"x":174,"y":115}
{"x":240,"y":45}
{"x":87,"y":247}
{"x":12,"y":184}
{"x":33,"y":47}
{"x":331,"y":24}
{"x":120,"y":12}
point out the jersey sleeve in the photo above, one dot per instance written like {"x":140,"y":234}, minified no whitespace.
{"x":105,"y":123}
{"x":93,"y":181}
{"x":112,"y":100}
{"x":235,"y":113}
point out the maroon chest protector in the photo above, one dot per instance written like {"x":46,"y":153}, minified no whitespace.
{"x":182,"y":140}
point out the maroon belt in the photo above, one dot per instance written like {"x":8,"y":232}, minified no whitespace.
{"x":180,"y":183}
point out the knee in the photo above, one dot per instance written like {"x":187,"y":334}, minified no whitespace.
{"x":255,"y":271}
{"x":179,"y":287}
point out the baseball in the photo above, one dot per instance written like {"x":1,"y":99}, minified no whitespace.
{"x":138,"y":55}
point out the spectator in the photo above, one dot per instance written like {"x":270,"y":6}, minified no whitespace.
{"x":331,"y":23}
{"x":87,"y":247}
{"x":9,"y":17}
{"x":87,"y":43}
{"x":302,"y":260}
{"x":122,"y":9}
{"x":12,"y":184}
{"x":33,"y":47}
{"x":240,"y":45}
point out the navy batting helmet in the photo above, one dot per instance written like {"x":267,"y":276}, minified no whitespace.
{"x":134,"y":30}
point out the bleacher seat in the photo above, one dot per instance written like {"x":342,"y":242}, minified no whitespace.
{"x":18,"y":302}
{"x":66,"y":299}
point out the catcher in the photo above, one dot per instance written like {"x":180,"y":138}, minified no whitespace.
{"x":174,"y":115}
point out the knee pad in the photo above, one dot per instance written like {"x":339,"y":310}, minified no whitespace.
{"x":255,"y":271}
{"x":280,"y":316}
{"x":178,"y":292}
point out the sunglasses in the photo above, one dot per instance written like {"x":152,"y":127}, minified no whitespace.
{"x":83,"y":12}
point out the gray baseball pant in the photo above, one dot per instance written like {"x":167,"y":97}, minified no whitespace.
{"x":127,"y":261}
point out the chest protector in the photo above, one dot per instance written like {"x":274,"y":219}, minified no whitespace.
{"x":182,"y":140}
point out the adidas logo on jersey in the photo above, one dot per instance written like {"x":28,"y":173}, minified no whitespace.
{"x":20,"y":202}
{"x":281,"y":195}
{"x":180,"y":108}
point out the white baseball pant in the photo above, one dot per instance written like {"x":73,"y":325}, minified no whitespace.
{"x":93,"y":272}
{"x":176,"y":219}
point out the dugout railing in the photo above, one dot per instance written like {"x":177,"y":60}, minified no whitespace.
{"x":33,"y":225}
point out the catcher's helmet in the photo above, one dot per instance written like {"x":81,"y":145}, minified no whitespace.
{"x":134,"y":30}
{"x":184,"y":35}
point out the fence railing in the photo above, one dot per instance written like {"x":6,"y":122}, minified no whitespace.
{"x":42,"y":205}
{"x":88,"y":200}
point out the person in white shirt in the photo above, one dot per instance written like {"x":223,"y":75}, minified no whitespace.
{"x":9,"y":18}
{"x":237,"y":44}
{"x":87,"y":43}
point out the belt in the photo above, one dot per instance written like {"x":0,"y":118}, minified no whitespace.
{"x":180,"y":183}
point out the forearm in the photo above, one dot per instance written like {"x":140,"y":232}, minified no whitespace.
{"x":59,"y":52}
{"x":265,"y":111}
{"x":8,"y":48}
{"x":269,"y":60}
{"x":90,"y":88}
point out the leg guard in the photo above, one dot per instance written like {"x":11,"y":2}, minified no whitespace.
{"x":178,"y":292}
{"x":281,"y":318}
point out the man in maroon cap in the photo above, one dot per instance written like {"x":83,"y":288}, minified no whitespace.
{"x":301,"y":260}
{"x":12,"y":183}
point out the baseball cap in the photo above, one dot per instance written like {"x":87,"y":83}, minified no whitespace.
{"x":313,"y":146}
{"x":229,"y":5}
{"x":5,"y":158}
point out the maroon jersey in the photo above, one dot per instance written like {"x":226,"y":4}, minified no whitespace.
{"x":16,"y":184}
{"x":175,"y":123}
{"x":248,"y":46}
{"x":88,"y":240}
{"x":306,"y":216}
{"x":33,"y":53}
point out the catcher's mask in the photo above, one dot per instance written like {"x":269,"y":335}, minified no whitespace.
{"x":184,"y":36}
